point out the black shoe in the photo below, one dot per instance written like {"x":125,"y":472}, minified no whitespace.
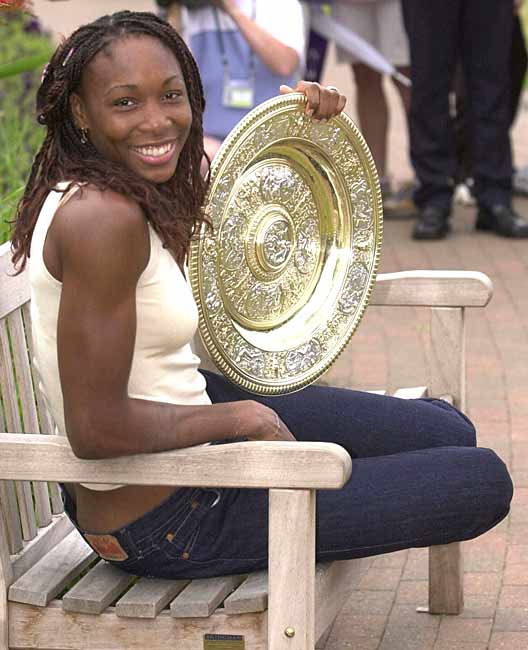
{"x":502,"y":220}
{"x":432,"y":223}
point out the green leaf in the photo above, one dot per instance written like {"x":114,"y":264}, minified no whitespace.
{"x":23,"y":65}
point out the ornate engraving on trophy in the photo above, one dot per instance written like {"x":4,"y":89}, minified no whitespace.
{"x":249,"y":359}
{"x":307,"y":249}
{"x":264,"y":228}
{"x":213,"y":300}
{"x":264,"y":135}
{"x":353,"y":289}
{"x":277,"y":243}
{"x":303,"y":358}
{"x":233,"y":230}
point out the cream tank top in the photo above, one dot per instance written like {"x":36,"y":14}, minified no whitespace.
{"x":164,"y":368}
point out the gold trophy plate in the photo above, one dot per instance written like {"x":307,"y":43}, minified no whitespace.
{"x":283,"y":279}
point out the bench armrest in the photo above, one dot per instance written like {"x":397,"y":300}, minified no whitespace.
{"x":432,"y":289}
{"x":312,"y":465}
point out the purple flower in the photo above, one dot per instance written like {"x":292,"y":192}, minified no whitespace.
{"x":33,"y":26}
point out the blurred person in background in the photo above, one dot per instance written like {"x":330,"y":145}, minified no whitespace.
{"x":479,"y":34}
{"x":518,"y":66}
{"x":520,"y":177}
{"x":380,"y":23}
{"x":245,"y":50}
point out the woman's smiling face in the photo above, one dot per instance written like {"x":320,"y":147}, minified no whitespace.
{"x":134,"y":103}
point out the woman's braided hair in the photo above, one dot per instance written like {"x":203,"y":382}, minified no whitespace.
{"x":175,"y":208}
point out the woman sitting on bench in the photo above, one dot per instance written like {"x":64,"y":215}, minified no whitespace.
{"x":114,"y":196}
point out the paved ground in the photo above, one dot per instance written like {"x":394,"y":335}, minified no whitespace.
{"x":381,"y":614}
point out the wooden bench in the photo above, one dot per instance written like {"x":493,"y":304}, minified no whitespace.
{"x":56,"y":594}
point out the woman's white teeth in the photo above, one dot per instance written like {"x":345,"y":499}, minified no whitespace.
{"x":154,"y":151}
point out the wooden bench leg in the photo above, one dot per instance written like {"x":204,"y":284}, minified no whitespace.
{"x":448,"y":375}
{"x":3,"y":618}
{"x":6,"y":578}
{"x":291,"y":575}
{"x":321,"y":644}
{"x":446,"y":575}
{"x":4,"y":628}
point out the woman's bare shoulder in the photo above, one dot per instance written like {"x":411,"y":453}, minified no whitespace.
{"x":91,"y":206}
{"x":101,"y":223}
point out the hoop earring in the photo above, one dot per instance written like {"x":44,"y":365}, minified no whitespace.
{"x":84,"y":136}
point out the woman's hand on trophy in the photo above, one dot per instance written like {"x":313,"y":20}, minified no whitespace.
{"x":323,"y":102}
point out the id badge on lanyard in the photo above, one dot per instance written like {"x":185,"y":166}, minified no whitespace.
{"x":236,"y":93}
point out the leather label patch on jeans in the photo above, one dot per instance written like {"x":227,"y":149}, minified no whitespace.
{"x":107,"y":547}
{"x":223,"y":642}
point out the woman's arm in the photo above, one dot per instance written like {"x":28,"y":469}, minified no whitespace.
{"x":280,"y":58}
{"x":103,"y":247}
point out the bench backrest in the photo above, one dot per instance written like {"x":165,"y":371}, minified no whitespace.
{"x":25,"y":508}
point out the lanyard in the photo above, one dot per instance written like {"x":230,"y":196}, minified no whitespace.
{"x":221,"y":45}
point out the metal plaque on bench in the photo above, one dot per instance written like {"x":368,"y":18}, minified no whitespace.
{"x":283,"y":279}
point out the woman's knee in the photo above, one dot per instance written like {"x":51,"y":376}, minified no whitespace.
{"x":458,"y":426}
{"x":481,"y":488}
{"x":499,"y":486}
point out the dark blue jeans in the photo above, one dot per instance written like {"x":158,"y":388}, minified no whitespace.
{"x":417,"y":480}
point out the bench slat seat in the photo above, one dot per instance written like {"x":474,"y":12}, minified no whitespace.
{"x":251,"y":596}
{"x":148,"y":597}
{"x":50,"y":575}
{"x":47,"y":538}
{"x":105,"y":585}
{"x":98,"y":589}
{"x":200,"y":598}
{"x":332,"y":582}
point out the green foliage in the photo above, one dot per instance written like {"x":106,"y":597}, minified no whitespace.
{"x":20,"y":134}
{"x":27,"y":64}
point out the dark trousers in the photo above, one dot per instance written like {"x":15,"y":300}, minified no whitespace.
{"x":417,"y":480}
{"x":479,"y":34}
